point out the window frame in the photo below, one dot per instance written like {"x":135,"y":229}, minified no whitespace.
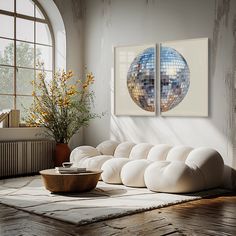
{"x":15,"y":67}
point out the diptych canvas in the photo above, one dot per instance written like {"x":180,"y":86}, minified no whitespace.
{"x":135,"y":76}
{"x":182,"y":79}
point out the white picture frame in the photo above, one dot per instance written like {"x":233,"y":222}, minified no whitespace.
{"x":127,"y":102}
{"x":195,"y":101}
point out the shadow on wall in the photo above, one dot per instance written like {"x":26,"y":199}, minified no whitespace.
{"x":188,"y":131}
{"x":217,"y":130}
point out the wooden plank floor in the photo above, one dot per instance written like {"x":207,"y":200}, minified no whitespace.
{"x":213,"y":216}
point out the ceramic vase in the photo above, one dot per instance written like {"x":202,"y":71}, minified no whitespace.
{"x":62,"y":154}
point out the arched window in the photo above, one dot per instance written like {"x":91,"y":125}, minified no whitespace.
{"x":26,"y":38}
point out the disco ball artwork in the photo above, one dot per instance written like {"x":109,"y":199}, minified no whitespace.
{"x":140,"y":79}
{"x":175,"y":78}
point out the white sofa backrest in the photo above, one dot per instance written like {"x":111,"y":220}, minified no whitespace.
{"x":178,"y":153}
{"x":140,"y":151}
{"x":123,"y":150}
{"x":107,"y":147}
{"x":159,"y":152}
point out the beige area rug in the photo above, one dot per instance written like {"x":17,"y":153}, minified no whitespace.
{"x":105,"y":202}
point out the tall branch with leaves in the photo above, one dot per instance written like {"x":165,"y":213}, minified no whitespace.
{"x":61,"y":106}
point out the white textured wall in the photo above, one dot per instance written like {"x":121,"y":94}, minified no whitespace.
{"x":72,"y":14}
{"x":111,"y":23}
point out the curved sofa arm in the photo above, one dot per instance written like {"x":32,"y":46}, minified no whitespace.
{"x":82,"y":152}
{"x":172,"y":177}
{"x":210,"y":163}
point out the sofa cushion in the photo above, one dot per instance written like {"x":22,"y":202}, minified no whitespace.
{"x":124,"y":149}
{"x":80,"y":163}
{"x":111,"y":170}
{"x":132,"y":173}
{"x":178,"y":153}
{"x":82,"y":152}
{"x":159,"y":152}
{"x":95,"y":162}
{"x":107,"y":147}
{"x":172,"y":177}
{"x":140,"y":151}
{"x":211,"y":164}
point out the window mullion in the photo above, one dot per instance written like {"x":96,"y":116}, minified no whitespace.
{"x":19,"y":93}
{"x":15,"y":68}
{"x":34,"y":45}
{"x":22,"y":16}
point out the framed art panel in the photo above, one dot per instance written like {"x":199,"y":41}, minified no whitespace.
{"x":135,"y":80}
{"x":184,"y":78}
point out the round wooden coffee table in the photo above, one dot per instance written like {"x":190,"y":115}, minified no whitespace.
{"x":81,"y":182}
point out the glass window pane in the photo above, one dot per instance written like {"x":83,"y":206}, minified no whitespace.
{"x":25,"y":7}
{"x":24,"y":77}
{"x":25,"y":54}
{"x":24,"y":30}
{"x":6,"y":52}
{"x":44,"y":56}
{"x":7,"y":26}
{"x":23,"y":103}
{"x":39,"y":14}
{"x":6,"y":80}
{"x":43,"y":34}
{"x":7,"y":5}
{"x":6,"y":102}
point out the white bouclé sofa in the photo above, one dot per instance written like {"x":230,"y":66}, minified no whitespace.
{"x":160,"y":168}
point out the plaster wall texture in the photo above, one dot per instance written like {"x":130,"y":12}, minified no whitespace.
{"x":110,"y":23}
{"x":72,"y":12}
